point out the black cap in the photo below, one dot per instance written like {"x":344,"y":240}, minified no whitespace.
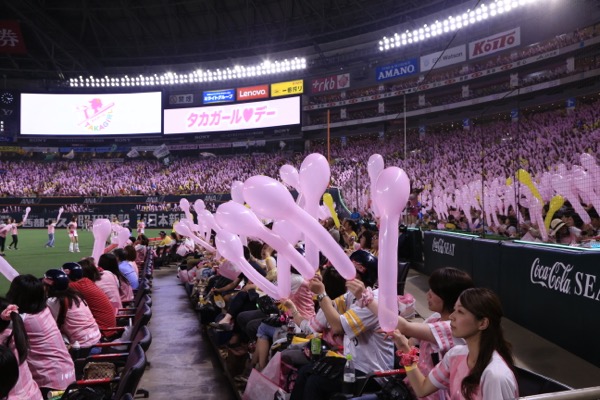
{"x":162,"y":233}
{"x":58,"y":279}
{"x":75,"y":271}
{"x":369,"y":261}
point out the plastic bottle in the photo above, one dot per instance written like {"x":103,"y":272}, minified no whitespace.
{"x":75,"y":347}
{"x":291,"y":330}
{"x":349,"y":375}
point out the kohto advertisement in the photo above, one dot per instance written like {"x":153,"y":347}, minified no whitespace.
{"x":233,"y":117}
{"x":218,"y":96}
{"x":495,"y":43}
{"x":441,"y":59}
{"x":287,"y":88}
{"x":397,"y":70}
{"x":91,"y":114}
{"x":253,"y":93}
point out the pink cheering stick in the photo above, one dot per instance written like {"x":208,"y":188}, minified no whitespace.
{"x":272,"y":199}
{"x":289,"y":175}
{"x":198,"y":207}
{"x":238,"y":219}
{"x":391,"y":195}
{"x":314,"y":179}
{"x":101,"y":230}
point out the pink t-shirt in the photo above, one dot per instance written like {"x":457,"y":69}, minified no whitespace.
{"x":51,"y":228}
{"x":49,"y":360}
{"x":26,"y":388}
{"x":497,"y":381}
{"x":444,"y":341}
{"x":109,"y":284}
{"x":14,"y":229}
{"x":79,"y":324}
{"x":302,"y":296}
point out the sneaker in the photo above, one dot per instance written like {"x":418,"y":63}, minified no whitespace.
{"x":77,"y":251}
{"x":70,"y":251}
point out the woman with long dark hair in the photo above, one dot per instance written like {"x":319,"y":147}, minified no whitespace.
{"x":481,"y":369}
{"x":14,"y":337}
{"x":49,"y":361}
{"x":72,"y":314}
{"x":109,"y":262}
{"x":104,"y":279}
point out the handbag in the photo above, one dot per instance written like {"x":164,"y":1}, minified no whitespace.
{"x":395,"y":389}
{"x":99,"y":370}
{"x":267,"y":305}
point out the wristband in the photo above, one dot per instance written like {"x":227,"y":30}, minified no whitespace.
{"x":409,"y":368}
{"x":409,"y":358}
{"x":366,"y":298}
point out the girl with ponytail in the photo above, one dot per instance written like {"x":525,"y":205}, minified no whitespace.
{"x":14,"y":337}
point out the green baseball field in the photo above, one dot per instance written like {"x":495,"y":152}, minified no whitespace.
{"x":34,"y":258}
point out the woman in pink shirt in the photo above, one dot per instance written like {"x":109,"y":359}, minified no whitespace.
{"x":71,"y":312}
{"x":14,"y":337}
{"x":481,"y":369}
{"x":49,"y":361}
{"x":14,"y":231}
{"x":105,"y":280}
{"x":51,"y":230}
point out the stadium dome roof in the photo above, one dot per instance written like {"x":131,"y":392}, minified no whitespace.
{"x":66,"y":37}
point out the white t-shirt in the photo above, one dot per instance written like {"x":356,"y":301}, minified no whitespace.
{"x":497,"y":381}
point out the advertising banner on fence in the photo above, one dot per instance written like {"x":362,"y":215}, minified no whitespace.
{"x":287,"y":88}
{"x":495,"y":43}
{"x":333,"y":82}
{"x":253,"y":93}
{"x":441,"y":59}
{"x":397,"y":70}
{"x":218,"y":96}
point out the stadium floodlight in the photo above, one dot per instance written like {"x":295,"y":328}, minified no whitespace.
{"x":452,"y":23}
{"x":267,"y":67}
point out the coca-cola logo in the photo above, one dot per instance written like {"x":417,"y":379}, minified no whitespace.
{"x":441,"y":246}
{"x":560,"y":277}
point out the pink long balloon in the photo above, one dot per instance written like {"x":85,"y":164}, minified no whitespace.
{"x":7,"y":270}
{"x":237,"y":193}
{"x":374,"y":167}
{"x":184,"y":230}
{"x":230,"y":247}
{"x":229,"y":270}
{"x":101,"y":230}
{"x":289,"y":175}
{"x":184,"y":204}
{"x":272,"y":199}
{"x":60,"y":211}
{"x":315,"y":175}
{"x":123,"y":236}
{"x":284,"y":273}
{"x":391,"y":194}
{"x":27,"y":210}
{"x":238,"y":219}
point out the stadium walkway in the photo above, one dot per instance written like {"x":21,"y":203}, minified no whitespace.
{"x":185,"y":366}
{"x":183,"y":363}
